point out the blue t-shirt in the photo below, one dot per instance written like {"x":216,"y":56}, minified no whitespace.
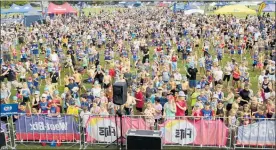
{"x":259,"y":117}
{"x":43,"y":106}
{"x":163,"y":100}
{"x":207,"y":114}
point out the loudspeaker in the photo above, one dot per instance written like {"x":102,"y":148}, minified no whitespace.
{"x":2,"y":139}
{"x":144,"y":140}
{"x":119,"y":93}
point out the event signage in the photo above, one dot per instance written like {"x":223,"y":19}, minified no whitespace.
{"x":8,"y":109}
{"x":47,"y":128}
{"x":259,"y":133}
{"x":104,"y":129}
{"x":201,"y":132}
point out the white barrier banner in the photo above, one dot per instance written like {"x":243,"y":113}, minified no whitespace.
{"x":260,"y":133}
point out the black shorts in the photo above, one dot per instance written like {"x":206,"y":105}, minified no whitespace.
{"x":26,"y":99}
{"x":139,"y":109}
{"x":22,"y":80}
{"x":106,"y":85}
{"x":236,"y":79}
{"x":226,"y":77}
{"x":228,"y":107}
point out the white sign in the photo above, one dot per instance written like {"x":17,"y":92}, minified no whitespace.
{"x":180,"y":131}
{"x":262,"y":132}
{"x":103,"y":130}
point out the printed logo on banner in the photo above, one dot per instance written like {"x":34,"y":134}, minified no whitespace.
{"x":7,"y":108}
{"x":181,"y":131}
{"x":47,"y":126}
{"x":103,"y":130}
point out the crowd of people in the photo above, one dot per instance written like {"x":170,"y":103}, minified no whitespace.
{"x":205,"y":66}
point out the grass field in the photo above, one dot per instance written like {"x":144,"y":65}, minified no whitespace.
{"x":253,"y":77}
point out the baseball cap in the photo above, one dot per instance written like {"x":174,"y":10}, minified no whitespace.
{"x":181,"y":94}
{"x":196,"y":105}
{"x":36,"y":92}
{"x":44,"y":96}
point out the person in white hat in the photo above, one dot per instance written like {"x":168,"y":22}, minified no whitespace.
{"x":181,"y":105}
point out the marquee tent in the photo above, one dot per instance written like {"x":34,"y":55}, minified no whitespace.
{"x":65,"y":8}
{"x":31,"y":17}
{"x":248,"y":3}
{"x":194,"y":11}
{"x":269,"y":8}
{"x":235,"y":9}
{"x":19,"y":9}
{"x":182,"y":6}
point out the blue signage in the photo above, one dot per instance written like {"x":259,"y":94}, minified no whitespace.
{"x":8,"y":109}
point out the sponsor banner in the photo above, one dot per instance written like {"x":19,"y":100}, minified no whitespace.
{"x":259,"y":133}
{"x":201,"y":132}
{"x":47,"y":128}
{"x":103,"y":129}
{"x":8,"y":109}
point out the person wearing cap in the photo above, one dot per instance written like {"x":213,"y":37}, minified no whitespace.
{"x":43,"y":104}
{"x":267,"y":87}
{"x":206,"y":112}
{"x":169,"y":108}
{"x":36,"y":100}
{"x":196,"y":112}
{"x":181,"y":105}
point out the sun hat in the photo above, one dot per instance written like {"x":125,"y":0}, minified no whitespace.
{"x":44,"y":95}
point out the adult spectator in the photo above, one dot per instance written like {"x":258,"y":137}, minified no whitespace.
{"x":192,"y":72}
{"x":246,"y":94}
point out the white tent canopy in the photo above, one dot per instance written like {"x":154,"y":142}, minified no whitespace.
{"x":249,"y":3}
{"x":192,"y":11}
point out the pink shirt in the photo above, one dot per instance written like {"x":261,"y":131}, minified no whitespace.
{"x":158,"y":107}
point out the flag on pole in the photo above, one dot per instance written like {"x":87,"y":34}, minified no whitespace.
{"x":261,"y":8}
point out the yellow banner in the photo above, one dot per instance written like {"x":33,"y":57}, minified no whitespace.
{"x":261,"y":8}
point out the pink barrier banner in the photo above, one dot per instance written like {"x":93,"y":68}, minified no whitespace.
{"x":103,"y":129}
{"x":200,"y":132}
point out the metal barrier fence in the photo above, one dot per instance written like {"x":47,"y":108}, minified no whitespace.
{"x":257,"y":133}
{"x":87,"y":131}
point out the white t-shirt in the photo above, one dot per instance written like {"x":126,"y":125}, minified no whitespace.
{"x":218,"y":75}
{"x":261,"y":79}
{"x":85,"y":116}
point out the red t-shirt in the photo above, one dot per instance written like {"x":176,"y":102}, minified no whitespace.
{"x":174,"y":59}
{"x":112,"y":72}
{"x":180,"y":112}
{"x":158,"y":49}
{"x":139,"y":95}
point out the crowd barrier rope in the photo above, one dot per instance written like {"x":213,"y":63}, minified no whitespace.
{"x":89,"y":130}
